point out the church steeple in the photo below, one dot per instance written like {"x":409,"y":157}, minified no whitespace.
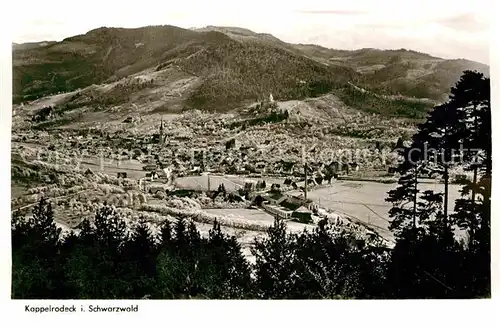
{"x":161,"y":130}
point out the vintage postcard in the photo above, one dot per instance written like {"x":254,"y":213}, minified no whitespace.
{"x":211,"y":150}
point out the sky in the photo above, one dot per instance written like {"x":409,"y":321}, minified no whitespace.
{"x":444,"y":28}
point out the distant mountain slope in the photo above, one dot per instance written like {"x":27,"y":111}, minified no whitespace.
{"x":402,"y":71}
{"x":229,"y":66}
{"x":97,"y":56}
{"x":234,"y":72}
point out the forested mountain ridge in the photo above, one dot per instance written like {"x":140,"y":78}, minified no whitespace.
{"x":231,"y":66}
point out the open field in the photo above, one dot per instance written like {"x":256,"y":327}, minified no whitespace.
{"x":248,"y":216}
{"x":231,"y":182}
{"x":132,"y":168}
{"x":203,"y":182}
{"x":365,"y":201}
{"x":129,"y":164}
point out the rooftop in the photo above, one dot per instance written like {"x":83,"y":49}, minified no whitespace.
{"x":289,"y":205}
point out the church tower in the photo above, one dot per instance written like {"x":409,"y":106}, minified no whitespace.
{"x":161,"y":132}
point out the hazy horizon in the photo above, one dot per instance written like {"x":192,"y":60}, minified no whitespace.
{"x":443,"y":29}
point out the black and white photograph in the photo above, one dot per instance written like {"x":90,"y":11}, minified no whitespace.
{"x":267,"y":150}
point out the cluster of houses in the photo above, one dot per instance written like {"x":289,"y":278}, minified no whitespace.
{"x":190,"y":155}
{"x":288,"y":207}
{"x":237,"y":158}
{"x":182,"y":157}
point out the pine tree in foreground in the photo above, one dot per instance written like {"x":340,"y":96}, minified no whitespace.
{"x":274,"y":271}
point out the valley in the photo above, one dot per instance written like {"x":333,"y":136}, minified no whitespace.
{"x":160,"y":162}
{"x":158,"y":128}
